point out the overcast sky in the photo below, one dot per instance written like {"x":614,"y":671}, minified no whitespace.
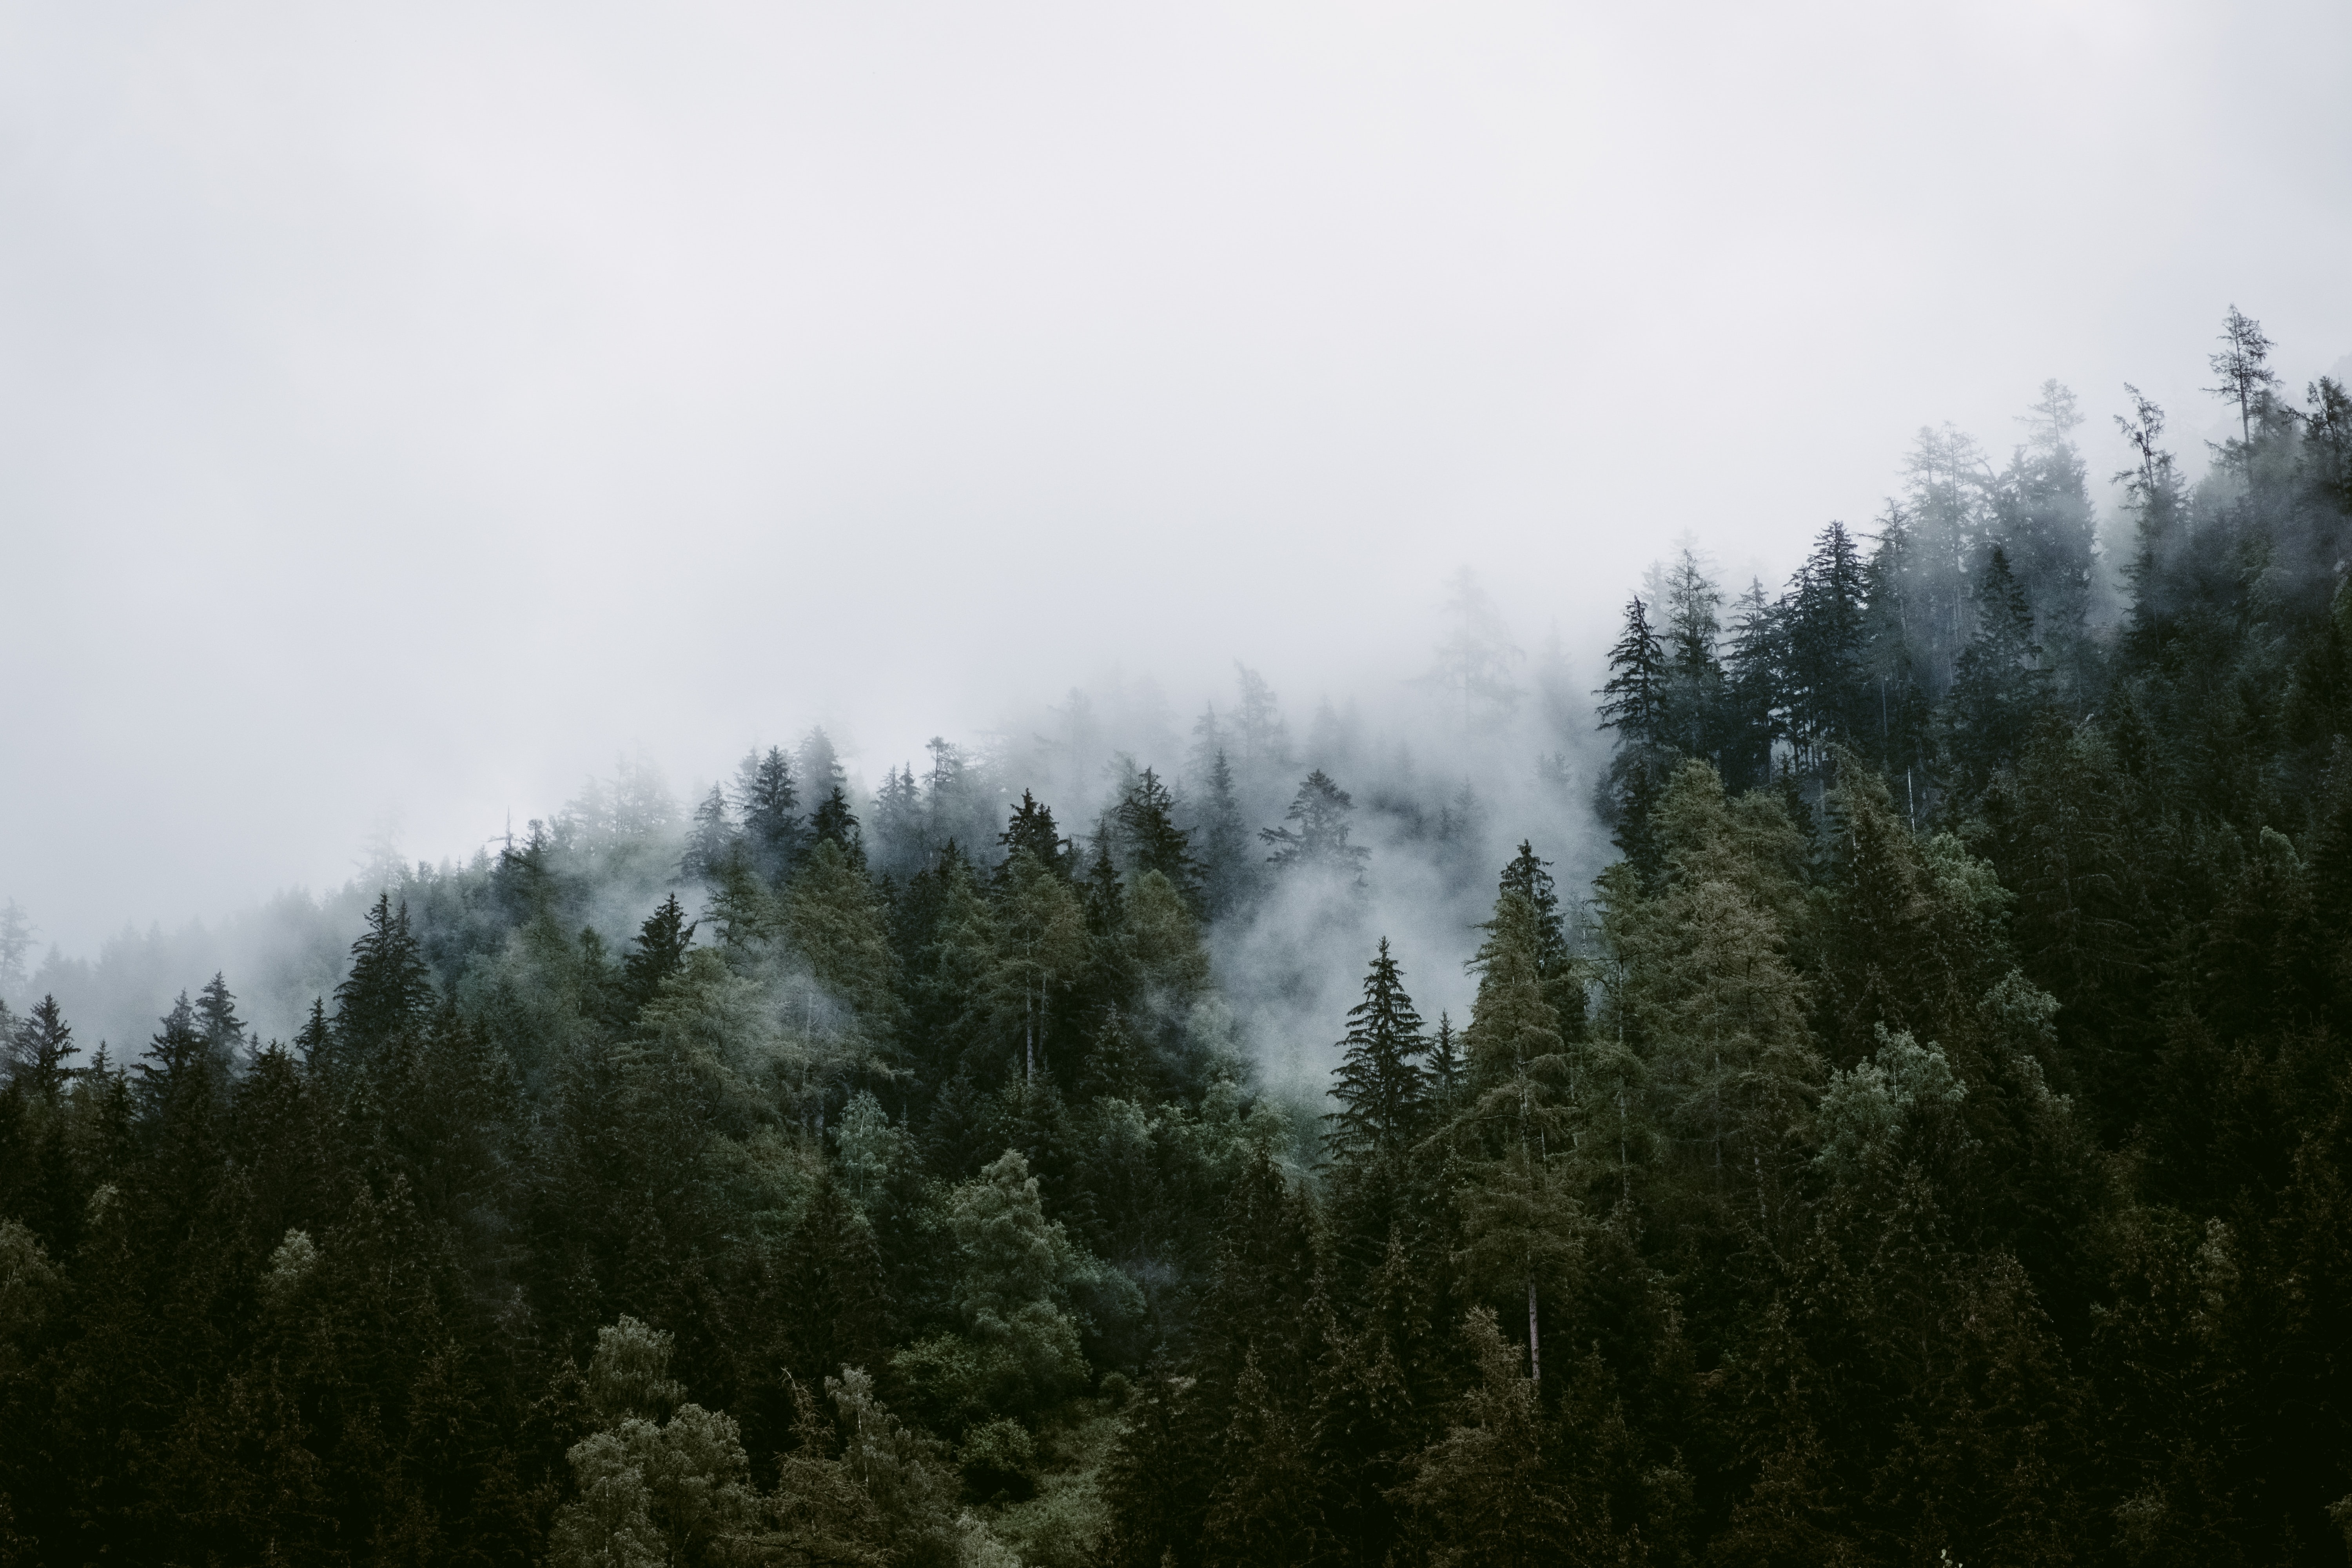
{"x":405,"y":408}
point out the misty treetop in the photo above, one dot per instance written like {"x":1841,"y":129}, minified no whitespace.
{"x":1927,"y":1143}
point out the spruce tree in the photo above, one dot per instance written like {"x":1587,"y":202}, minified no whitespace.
{"x":1383,"y":1089}
{"x":767,"y":796}
{"x":1828,"y":681}
{"x":1634,"y":703}
{"x":658,"y":952}
{"x":1319,"y":842}
{"x":2002,"y":684}
{"x":711,"y":841}
{"x":38,"y":1046}
{"x":176,"y":1069}
{"x":1146,"y":823}
{"x":216,"y":1019}
{"x":1229,"y":873}
{"x":1031,"y":828}
{"x":1519,"y":1207}
{"x":1530,"y":878}
{"x":837,"y":825}
{"x":387,"y":991}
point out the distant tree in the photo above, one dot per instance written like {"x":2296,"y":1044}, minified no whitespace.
{"x":837,"y":825}
{"x":316,"y":1038}
{"x":1445,"y":1063}
{"x":15,"y":940}
{"x":216,"y":1019}
{"x":1321,"y":809}
{"x":2002,"y":683}
{"x":711,"y":841}
{"x":1146,"y":823}
{"x":1752,"y":688}
{"x":387,"y":990}
{"x":1474,"y":664}
{"x":1690,"y":636}
{"x":767,"y":799}
{"x":1229,"y":873}
{"x":2244,"y":377}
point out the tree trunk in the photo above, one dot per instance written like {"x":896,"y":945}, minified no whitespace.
{"x":1535,"y":1340}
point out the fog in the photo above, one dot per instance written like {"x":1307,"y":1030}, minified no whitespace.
{"x":404,"y":414}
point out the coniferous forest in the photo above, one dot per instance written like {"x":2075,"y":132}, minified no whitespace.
{"x":1926,"y":1139}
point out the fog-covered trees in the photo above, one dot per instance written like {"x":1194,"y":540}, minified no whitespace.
{"x":1928,"y":1142}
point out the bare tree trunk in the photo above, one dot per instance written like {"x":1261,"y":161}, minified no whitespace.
{"x":1535,"y":1340}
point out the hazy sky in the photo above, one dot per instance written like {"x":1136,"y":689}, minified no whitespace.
{"x":405,"y":408}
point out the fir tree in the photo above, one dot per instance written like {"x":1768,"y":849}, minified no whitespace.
{"x":1319,"y":842}
{"x":711,"y":841}
{"x":837,"y":825}
{"x":658,"y":952}
{"x":176,"y":1069}
{"x":38,"y":1046}
{"x":1383,"y":1089}
{"x":216,"y":1020}
{"x":1228,"y":872}
{"x":387,"y":991}
{"x":767,"y":796}
{"x":1031,"y":828}
{"x":1146,"y":823}
{"x":1634,"y":703}
{"x":2002,"y":683}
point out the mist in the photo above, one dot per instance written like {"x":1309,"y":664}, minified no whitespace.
{"x":404,"y":416}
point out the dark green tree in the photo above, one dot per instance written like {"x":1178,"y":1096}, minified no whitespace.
{"x":387,"y":990}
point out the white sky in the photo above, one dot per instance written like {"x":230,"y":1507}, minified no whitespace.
{"x":405,"y":408}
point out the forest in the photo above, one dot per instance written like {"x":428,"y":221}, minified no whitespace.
{"x":1919,"y":1138}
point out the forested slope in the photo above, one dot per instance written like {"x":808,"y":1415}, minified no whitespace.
{"x":1929,"y":1141}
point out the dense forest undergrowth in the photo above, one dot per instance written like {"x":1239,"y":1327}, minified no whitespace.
{"x":1930,"y":1141}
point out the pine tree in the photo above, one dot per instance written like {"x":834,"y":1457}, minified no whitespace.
{"x":767,"y":796}
{"x":1146,"y":823}
{"x":1446,"y":1074}
{"x":176,"y":1070}
{"x":2244,"y":376}
{"x":1031,"y":828}
{"x":1752,"y":689}
{"x":387,"y":991}
{"x":316,"y":1039}
{"x":37,"y":1048}
{"x":1563,"y":982}
{"x":1485,"y":1494}
{"x":1693,"y":692}
{"x":1828,"y":681}
{"x":1521,"y":1213}
{"x":1383,"y":1089}
{"x":1262,"y":1507}
{"x":1634,"y":703}
{"x":1319,"y":842}
{"x":712,"y":842}
{"x":2002,"y":684}
{"x":837,"y":825}
{"x":1229,"y":873}
{"x":216,"y":1020}
{"x":659,"y":953}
